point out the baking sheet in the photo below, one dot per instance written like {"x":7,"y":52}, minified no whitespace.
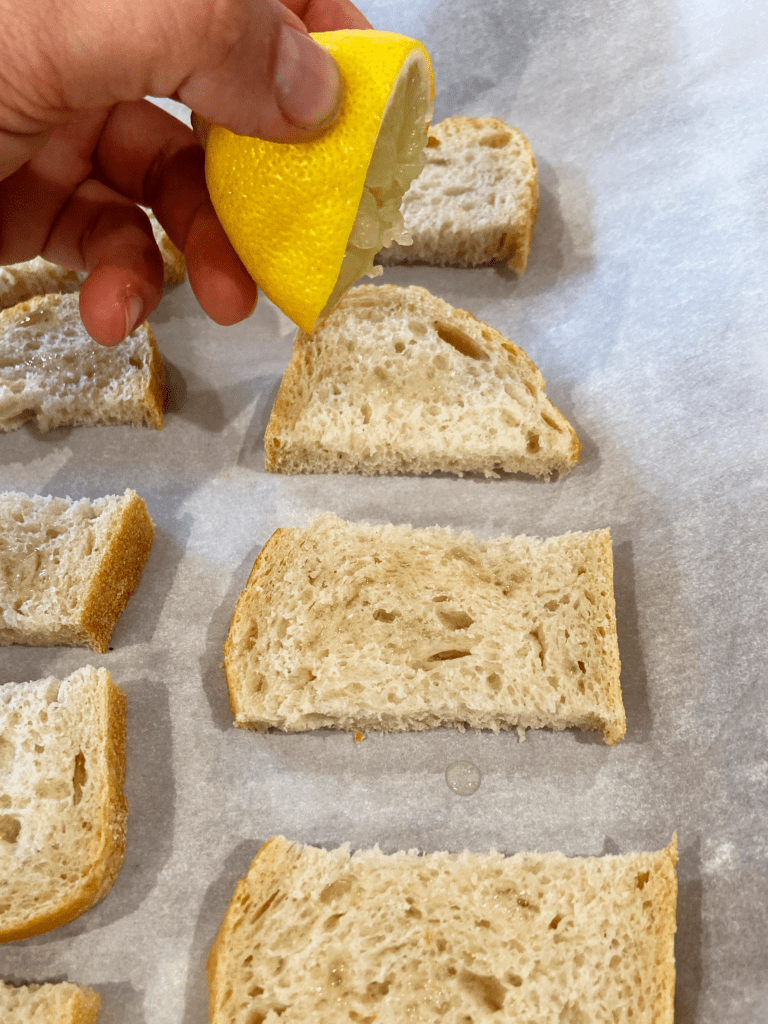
{"x":644,"y":306}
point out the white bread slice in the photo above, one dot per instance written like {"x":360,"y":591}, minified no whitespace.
{"x":53,"y":372}
{"x":316,"y":935}
{"x":61,"y":1003}
{"x":395,"y":380}
{"x":352,"y":626}
{"x":476,"y":199}
{"x":22,"y":281}
{"x":62,"y":809}
{"x":68,"y":568}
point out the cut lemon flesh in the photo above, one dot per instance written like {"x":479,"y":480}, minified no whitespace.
{"x":307,"y":219}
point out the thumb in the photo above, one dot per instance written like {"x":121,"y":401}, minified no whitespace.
{"x":274,"y":81}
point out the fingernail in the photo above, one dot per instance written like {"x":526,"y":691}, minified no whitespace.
{"x":134,"y":309}
{"x":308,"y":82}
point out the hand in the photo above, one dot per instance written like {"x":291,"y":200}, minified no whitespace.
{"x":80,"y":147}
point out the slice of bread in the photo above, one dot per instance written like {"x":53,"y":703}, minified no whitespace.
{"x":395,"y":380}
{"x":354,"y":626}
{"x":53,"y":372}
{"x":68,"y":568}
{"x":62,"y":1003}
{"x":316,"y":935}
{"x":476,"y":199}
{"x":62,"y":809}
{"x":22,"y":281}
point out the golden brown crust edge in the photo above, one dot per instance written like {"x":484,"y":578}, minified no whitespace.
{"x":155,"y":395}
{"x":118,"y":574}
{"x":615,"y":723}
{"x":108,"y":849}
{"x":266,"y":558}
{"x":286,"y":408}
{"x":268,"y":869}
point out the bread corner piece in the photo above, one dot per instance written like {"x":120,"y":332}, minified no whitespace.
{"x":395,"y":380}
{"x":353,"y":626}
{"x":68,"y":568}
{"x":60,"y":1003}
{"x":63,"y":817}
{"x":476,"y":199}
{"x":53,"y":372}
{"x":324,"y":935}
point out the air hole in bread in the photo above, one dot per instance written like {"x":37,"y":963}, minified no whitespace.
{"x":551,"y":423}
{"x":399,"y":346}
{"x":642,"y":878}
{"x":459,"y":340}
{"x":79,"y":778}
{"x":432,"y":142}
{"x":456,"y":190}
{"x":366,"y":412}
{"x":486,"y":989}
{"x":455,"y":619}
{"x":10,"y":827}
{"x":384,"y":616}
{"x":497,"y":140}
{"x":451,"y":655}
{"x":332,"y":921}
{"x":494,"y":681}
{"x":533,"y":445}
{"x":335,"y":890}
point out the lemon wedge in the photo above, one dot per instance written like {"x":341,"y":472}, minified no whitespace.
{"x":307,"y":219}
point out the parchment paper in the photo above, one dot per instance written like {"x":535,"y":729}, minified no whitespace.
{"x":644,"y":306}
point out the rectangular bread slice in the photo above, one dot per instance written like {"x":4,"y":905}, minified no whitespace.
{"x":61,"y":1003}
{"x":53,"y":372}
{"x":63,"y":813}
{"x":352,"y":626}
{"x":38,"y":276}
{"x":68,"y":568}
{"x":395,"y":380}
{"x":476,"y":199}
{"x":316,"y":935}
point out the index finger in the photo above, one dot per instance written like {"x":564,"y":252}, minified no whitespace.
{"x":148,"y":155}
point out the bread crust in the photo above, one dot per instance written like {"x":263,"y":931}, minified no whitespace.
{"x":108,"y":834}
{"x":118,"y":574}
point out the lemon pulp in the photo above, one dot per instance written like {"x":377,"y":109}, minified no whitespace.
{"x":397,"y":159}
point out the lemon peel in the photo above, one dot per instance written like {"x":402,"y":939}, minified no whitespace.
{"x":308,"y":218}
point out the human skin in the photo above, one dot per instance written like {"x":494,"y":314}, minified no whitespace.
{"x":80,"y":146}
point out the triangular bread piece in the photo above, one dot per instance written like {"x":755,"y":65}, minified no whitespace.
{"x":475,"y":201}
{"x":325,"y":935}
{"x":62,"y":823}
{"x":352,"y":626}
{"x":396,"y":380}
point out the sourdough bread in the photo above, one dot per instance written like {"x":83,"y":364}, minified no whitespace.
{"x":476,"y":199}
{"x":22,"y":281}
{"x":61,"y":1003}
{"x":62,"y":809}
{"x":53,"y":372}
{"x":68,"y":568}
{"x":353,"y":626}
{"x":316,"y":935}
{"x":395,"y":380}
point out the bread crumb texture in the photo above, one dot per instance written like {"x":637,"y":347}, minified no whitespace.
{"x":61,"y":1003}
{"x":68,"y":568}
{"x":62,"y":809}
{"x":396,"y":380}
{"x":362,"y":627}
{"x":53,"y":372}
{"x":315,"y":935}
{"x":476,"y":199}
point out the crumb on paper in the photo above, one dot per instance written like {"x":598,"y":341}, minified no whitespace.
{"x":521,"y":733}
{"x":359,"y":736}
